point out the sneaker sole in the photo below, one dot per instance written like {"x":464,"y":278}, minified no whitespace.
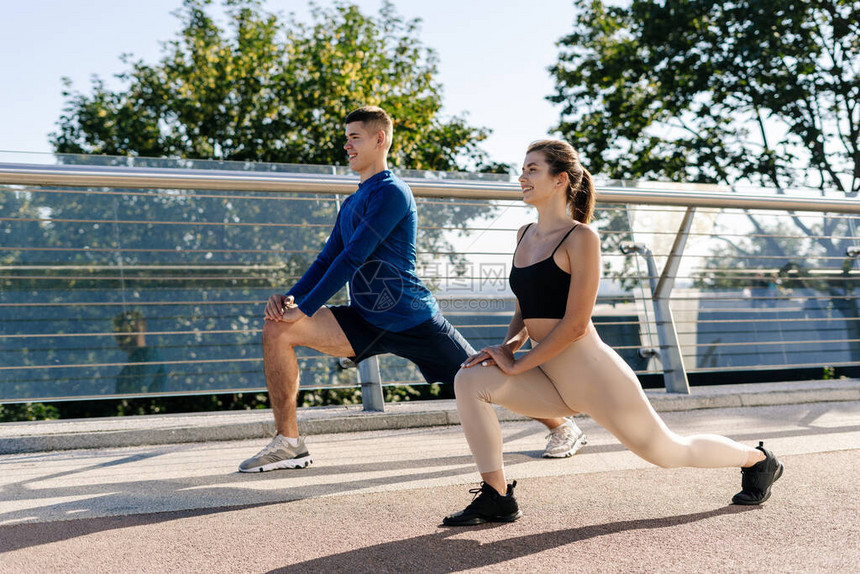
{"x":478,"y":520}
{"x":580,"y":442}
{"x":776,"y":476}
{"x":509,"y":518}
{"x":301,"y":462}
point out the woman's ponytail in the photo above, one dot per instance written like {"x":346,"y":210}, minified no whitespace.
{"x":582,"y":206}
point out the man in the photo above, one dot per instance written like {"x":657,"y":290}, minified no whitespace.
{"x":372,"y":246}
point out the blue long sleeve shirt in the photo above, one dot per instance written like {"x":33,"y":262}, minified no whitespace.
{"x":372,"y":247}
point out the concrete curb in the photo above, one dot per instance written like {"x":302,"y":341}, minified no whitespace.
{"x":117,"y":432}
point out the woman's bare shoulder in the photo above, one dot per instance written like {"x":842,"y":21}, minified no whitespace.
{"x":582,"y":238}
{"x":583,"y":233}
{"x":522,"y":230}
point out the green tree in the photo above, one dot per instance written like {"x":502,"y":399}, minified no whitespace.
{"x":761,"y":92}
{"x":750,"y":92}
{"x":755,"y":91}
{"x":273,"y":90}
{"x":269,"y":90}
{"x":261,"y":89}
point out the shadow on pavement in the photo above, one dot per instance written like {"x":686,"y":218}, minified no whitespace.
{"x":18,"y":536}
{"x":439,"y":552}
{"x":139,"y":502}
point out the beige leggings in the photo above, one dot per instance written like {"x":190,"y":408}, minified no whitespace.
{"x":587,"y":377}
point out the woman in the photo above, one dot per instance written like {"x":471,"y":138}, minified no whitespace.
{"x":555,"y":275}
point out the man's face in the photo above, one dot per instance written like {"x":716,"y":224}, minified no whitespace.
{"x":363,"y":147}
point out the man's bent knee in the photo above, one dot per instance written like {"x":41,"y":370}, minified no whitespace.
{"x":277,"y":332}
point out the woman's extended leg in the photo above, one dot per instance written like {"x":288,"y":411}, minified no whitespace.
{"x":606,"y":388}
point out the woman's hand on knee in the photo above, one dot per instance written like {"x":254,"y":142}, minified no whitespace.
{"x":497,"y":355}
{"x":503,"y":358}
{"x":480,"y":358}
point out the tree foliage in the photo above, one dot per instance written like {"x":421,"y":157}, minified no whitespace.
{"x":273,"y":90}
{"x":761,"y":92}
{"x":749,"y":91}
{"x":742,"y":92}
{"x":199,"y":265}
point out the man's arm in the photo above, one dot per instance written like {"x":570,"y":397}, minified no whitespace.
{"x":324,"y":259}
{"x":386,"y":207}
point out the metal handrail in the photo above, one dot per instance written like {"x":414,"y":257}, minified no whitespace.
{"x":687,"y":195}
{"x":662,"y":345}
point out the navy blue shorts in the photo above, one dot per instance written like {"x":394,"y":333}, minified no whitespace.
{"x":435,"y":346}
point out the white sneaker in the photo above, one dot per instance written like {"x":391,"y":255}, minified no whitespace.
{"x":565,"y":440}
{"x":278,"y":454}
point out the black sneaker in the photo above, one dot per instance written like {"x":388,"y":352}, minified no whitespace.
{"x":487,"y":506}
{"x":757,"y":479}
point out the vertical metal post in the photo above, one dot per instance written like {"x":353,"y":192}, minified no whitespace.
{"x":674,"y":373}
{"x":371,"y":385}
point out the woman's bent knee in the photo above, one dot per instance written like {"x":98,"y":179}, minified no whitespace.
{"x":467,"y":382}
{"x":461,"y":382}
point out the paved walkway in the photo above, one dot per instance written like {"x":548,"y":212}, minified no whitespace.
{"x":373,"y":501}
{"x":206,"y":427}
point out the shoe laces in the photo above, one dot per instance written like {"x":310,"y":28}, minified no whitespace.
{"x":476,"y":492}
{"x":480,"y":497}
{"x":272,"y":446}
{"x":484,"y":488}
{"x":558,"y":436}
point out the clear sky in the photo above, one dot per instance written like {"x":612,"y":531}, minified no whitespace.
{"x":493,"y":58}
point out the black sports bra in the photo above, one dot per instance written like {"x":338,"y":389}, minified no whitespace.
{"x":541,"y":288}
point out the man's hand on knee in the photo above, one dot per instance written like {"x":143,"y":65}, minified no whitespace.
{"x":292,"y":315}
{"x":284,"y":309}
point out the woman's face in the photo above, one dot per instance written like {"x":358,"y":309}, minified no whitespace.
{"x":537,"y":183}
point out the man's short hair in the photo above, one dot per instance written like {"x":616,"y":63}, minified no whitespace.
{"x":374,"y":119}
